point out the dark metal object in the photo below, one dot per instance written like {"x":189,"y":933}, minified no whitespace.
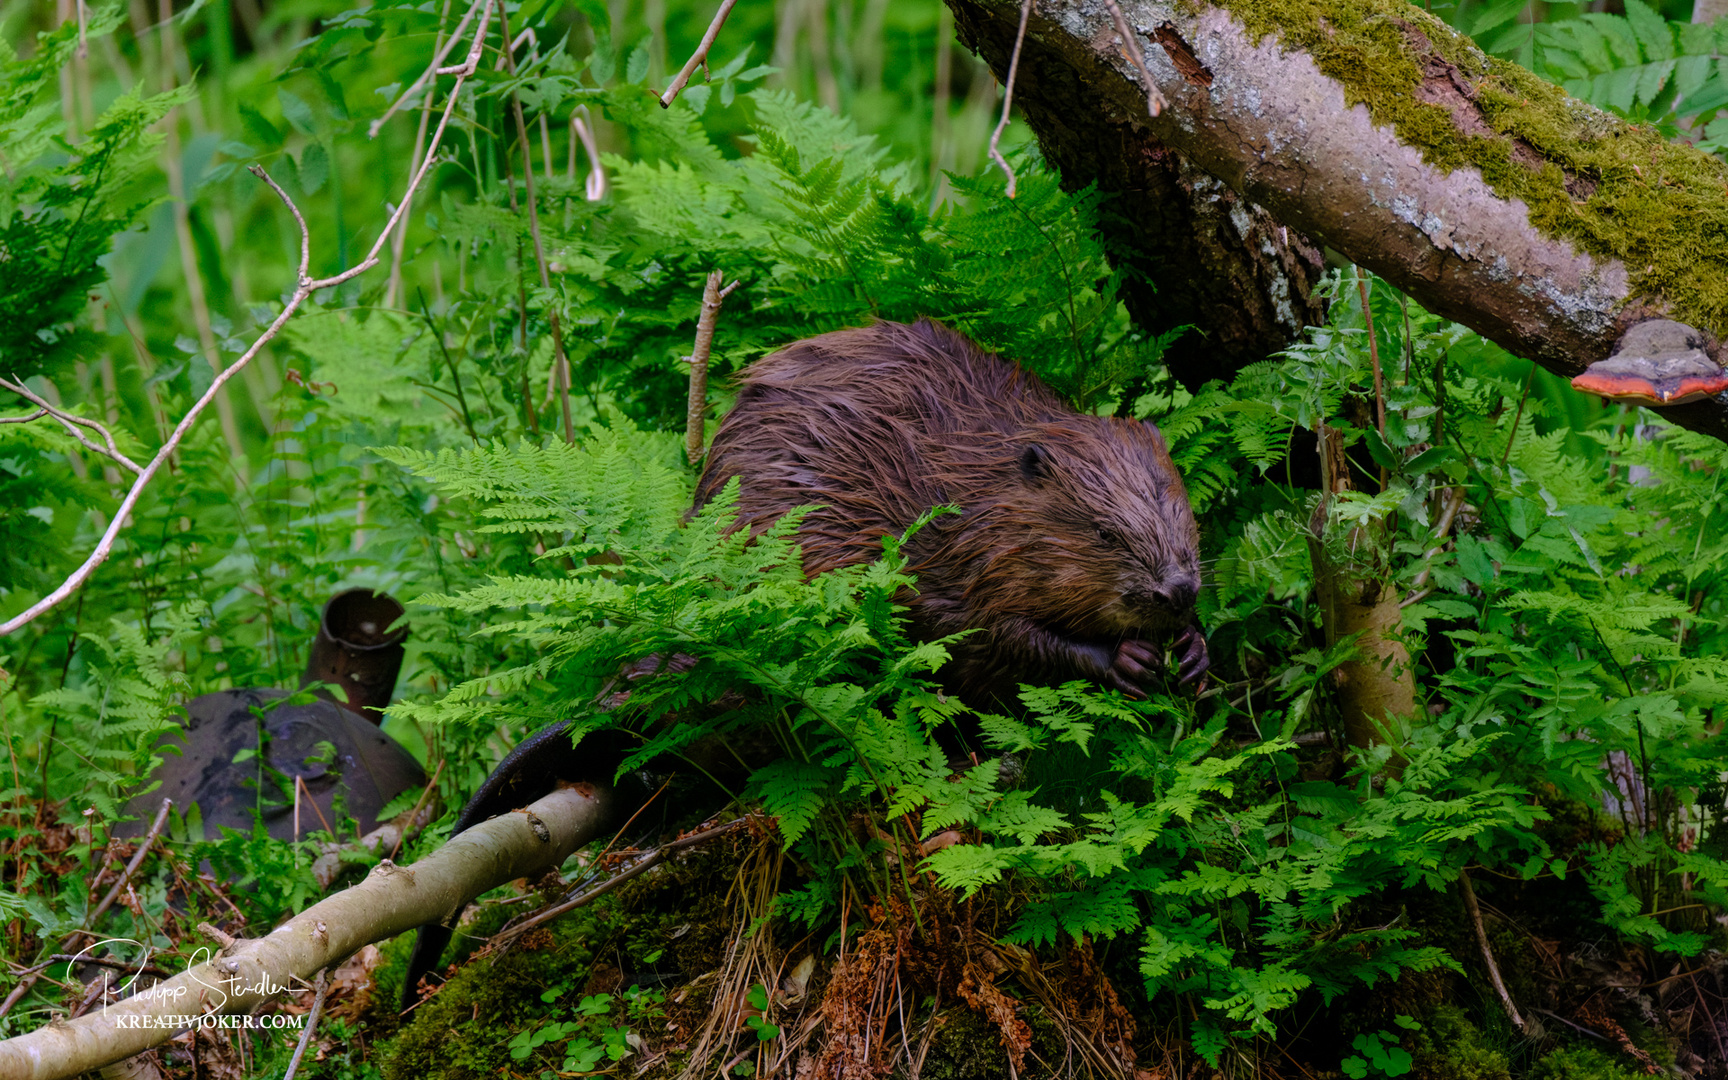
{"x":356,"y":649}
{"x":367,"y":767}
{"x":315,"y":751}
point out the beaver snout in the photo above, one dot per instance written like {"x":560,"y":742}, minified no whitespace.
{"x":1174,"y":595}
{"x":1179,"y":592}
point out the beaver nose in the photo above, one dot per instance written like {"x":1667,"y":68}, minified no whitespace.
{"x":1179,"y":592}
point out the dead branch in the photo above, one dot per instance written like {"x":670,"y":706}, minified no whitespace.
{"x":594,"y":188}
{"x":560,"y":359}
{"x":648,"y":860}
{"x":697,"y":58}
{"x":697,"y":405}
{"x":409,"y":94}
{"x":1008,"y":98}
{"x":392,"y":899}
{"x":415,"y":821}
{"x":1487,"y":953}
{"x":1131,"y":49}
{"x":137,"y":860}
{"x":1274,"y":145}
{"x":400,"y":241}
{"x":70,"y":422}
{"x":305,"y":287}
{"x":312,"y":1016}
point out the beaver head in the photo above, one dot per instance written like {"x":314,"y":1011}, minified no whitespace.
{"x":1091,"y":533}
{"x":1075,"y":554}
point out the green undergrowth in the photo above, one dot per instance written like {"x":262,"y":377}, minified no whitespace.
{"x":585,"y":974}
{"x":1450,"y":1047}
{"x":1615,"y":190}
{"x":1244,"y":881}
{"x":1584,"y":1062}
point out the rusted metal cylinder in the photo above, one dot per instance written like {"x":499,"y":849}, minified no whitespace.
{"x":356,"y":649}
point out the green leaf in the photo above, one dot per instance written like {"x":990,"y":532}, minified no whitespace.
{"x":260,"y":130}
{"x":296,"y":111}
{"x":1652,"y":30}
{"x":1495,"y":14}
{"x":1429,"y":460}
{"x":1382,"y":454}
{"x":636,"y":67}
{"x":794,"y":792}
{"x":314,"y":168}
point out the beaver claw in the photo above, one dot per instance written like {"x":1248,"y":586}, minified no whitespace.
{"x":1136,"y":661}
{"x":1192,"y":659}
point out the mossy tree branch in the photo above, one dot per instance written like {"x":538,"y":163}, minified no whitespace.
{"x":1488,"y":195}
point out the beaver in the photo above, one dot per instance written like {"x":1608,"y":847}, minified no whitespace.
{"x":1075,"y":554}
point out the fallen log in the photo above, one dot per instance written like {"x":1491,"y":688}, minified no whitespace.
{"x":1374,"y":129}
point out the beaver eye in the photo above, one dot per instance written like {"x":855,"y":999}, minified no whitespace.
{"x":1106,"y":535}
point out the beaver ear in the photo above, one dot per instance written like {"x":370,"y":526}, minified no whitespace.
{"x":1035,"y":464}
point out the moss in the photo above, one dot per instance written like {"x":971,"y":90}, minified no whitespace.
{"x":968,"y":1047}
{"x":496,"y":998}
{"x":675,"y":920}
{"x":1661,"y":208}
{"x":1450,"y":1047}
{"x":1582,"y":1063}
{"x":965,"y":1047}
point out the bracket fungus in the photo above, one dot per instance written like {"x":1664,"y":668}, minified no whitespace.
{"x":1658,"y":362}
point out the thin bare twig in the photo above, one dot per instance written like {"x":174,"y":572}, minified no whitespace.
{"x":1582,"y":1030}
{"x":137,"y":860}
{"x":414,"y":815}
{"x":1374,"y":358}
{"x":560,"y":359}
{"x":1487,"y":953}
{"x":697,"y":406}
{"x":649,"y":860}
{"x":400,"y":242}
{"x":1008,"y":98}
{"x":699,"y":58}
{"x":323,"y":985}
{"x":305,"y":288}
{"x":70,"y":422}
{"x":414,"y":87}
{"x":1518,"y":418}
{"x":1131,"y":49}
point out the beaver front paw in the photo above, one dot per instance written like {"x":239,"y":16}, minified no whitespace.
{"x":1134,"y":664}
{"x":1136,"y":661}
{"x":1192,"y":660}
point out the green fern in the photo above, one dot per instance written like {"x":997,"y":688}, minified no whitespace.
{"x":114,"y":720}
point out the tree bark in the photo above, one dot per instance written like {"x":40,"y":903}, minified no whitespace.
{"x":1488,"y":195}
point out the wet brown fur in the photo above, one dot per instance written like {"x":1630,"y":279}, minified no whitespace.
{"x":1075,"y":545}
